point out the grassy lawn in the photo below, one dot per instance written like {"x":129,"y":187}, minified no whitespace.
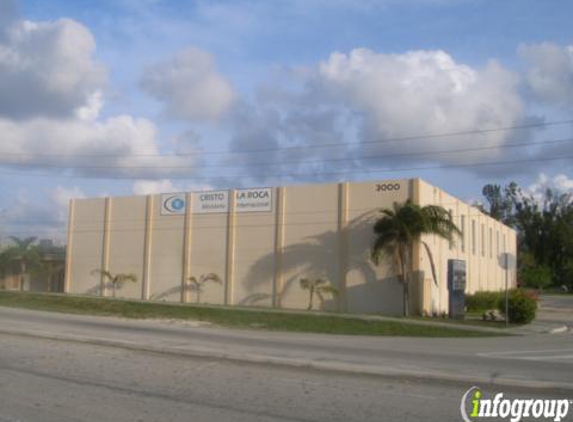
{"x":227,"y":316}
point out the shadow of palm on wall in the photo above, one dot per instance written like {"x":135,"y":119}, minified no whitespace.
{"x":317,"y":256}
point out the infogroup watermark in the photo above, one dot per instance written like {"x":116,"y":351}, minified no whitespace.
{"x":475,"y":407}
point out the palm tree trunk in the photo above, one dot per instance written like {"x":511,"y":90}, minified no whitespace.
{"x":113,"y":289}
{"x":310,"y":299}
{"x":22,"y":274}
{"x":405,"y":263}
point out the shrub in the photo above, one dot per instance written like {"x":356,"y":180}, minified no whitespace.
{"x":537,"y":277}
{"x":522,"y":306}
{"x":483,"y":301}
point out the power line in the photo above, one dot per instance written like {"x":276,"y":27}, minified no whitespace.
{"x":304,"y":147}
{"x":319,"y":161}
{"x":299,"y":174}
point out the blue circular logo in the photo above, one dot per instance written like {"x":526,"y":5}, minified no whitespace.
{"x":177,"y":204}
{"x":174,"y":204}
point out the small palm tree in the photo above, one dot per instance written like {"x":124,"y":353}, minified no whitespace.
{"x":117,"y":279}
{"x":400,"y":228}
{"x":26,"y":254}
{"x":318,"y":286}
{"x":198,"y":285}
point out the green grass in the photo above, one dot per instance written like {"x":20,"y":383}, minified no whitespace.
{"x":472,"y":319}
{"x":227,"y":317}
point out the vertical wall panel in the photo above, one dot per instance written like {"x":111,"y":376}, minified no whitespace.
{"x":166,"y":254}
{"x":127,"y":242}
{"x":87,"y":246}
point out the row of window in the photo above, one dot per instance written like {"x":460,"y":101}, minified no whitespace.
{"x":486,"y":244}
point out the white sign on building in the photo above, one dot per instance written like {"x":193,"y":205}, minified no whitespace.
{"x":254,"y":200}
{"x":210,"y":202}
{"x":173,"y":203}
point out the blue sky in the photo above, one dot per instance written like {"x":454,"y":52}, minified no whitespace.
{"x":134,"y":80}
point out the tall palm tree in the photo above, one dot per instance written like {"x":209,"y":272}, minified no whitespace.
{"x":318,"y":286}
{"x":197,"y":285}
{"x":26,"y":254}
{"x":400,"y":228}
{"x":116,"y":279}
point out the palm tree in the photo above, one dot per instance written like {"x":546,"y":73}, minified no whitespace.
{"x":117,"y":279}
{"x":318,"y":286}
{"x":197,"y":285}
{"x":25,"y":253}
{"x":400,"y":228}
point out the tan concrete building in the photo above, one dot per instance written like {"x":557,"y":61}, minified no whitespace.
{"x":262,"y":241}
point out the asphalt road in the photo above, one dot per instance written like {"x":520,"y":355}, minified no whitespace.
{"x":55,"y":381}
{"x":532,"y":360}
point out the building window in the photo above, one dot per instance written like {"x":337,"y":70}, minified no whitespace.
{"x":463,"y":230}
{"x":490,"y":242}
{"x":474,"y":237}
{"x":482,"y":239}
{"x":452,"y":238}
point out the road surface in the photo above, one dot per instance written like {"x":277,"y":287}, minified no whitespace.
{"x":533,"y":360}
{"x":55,"y":381}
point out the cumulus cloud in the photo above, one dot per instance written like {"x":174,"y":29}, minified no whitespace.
{"x":51,"y":96}
{"x":560,"y":183}
{"x":550,"y":72}
{"x":26,"y":215}
{"x":61,"y":196}
{"x":47,"y":69}
{"x":423,"y":92}
{"x":149,"y":187}
{"x":189,"y":85}
{"x":364,"y":100}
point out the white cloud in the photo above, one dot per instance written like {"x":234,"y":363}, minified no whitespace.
{"x":47,"y":69}
{"x":61,"y":196}
{"x":41,"y":214}
{"x":189,"y":85}
{"x":423,"y":92}
{"x":149,"y":187}
{"x":362,"y":99}
{"x":550,"y":72}
{"x":51,"y":95}
{"x":560,"y":183}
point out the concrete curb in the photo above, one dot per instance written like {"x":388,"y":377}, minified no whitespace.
{"x":321,"y":365}
{"x":559,"y":330}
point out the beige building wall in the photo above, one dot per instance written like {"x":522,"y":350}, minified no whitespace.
{"x":312,"y":231}
{"x":166,"y":266}
{"x":370,"y":286}
{"x":127,"y":241}
{"x":208,"y":254}
{"x":87,"y":233}
{"x":311,"y":242}
{"x":478,"y":247}
{"x":254,"y":261}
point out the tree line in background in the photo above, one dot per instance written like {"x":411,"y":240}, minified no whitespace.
{"x":544,"y":231}
{"x":26,"y":258}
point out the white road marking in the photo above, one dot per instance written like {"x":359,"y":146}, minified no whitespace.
{"x":561,"y":355}
{"x":522,"y":352}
